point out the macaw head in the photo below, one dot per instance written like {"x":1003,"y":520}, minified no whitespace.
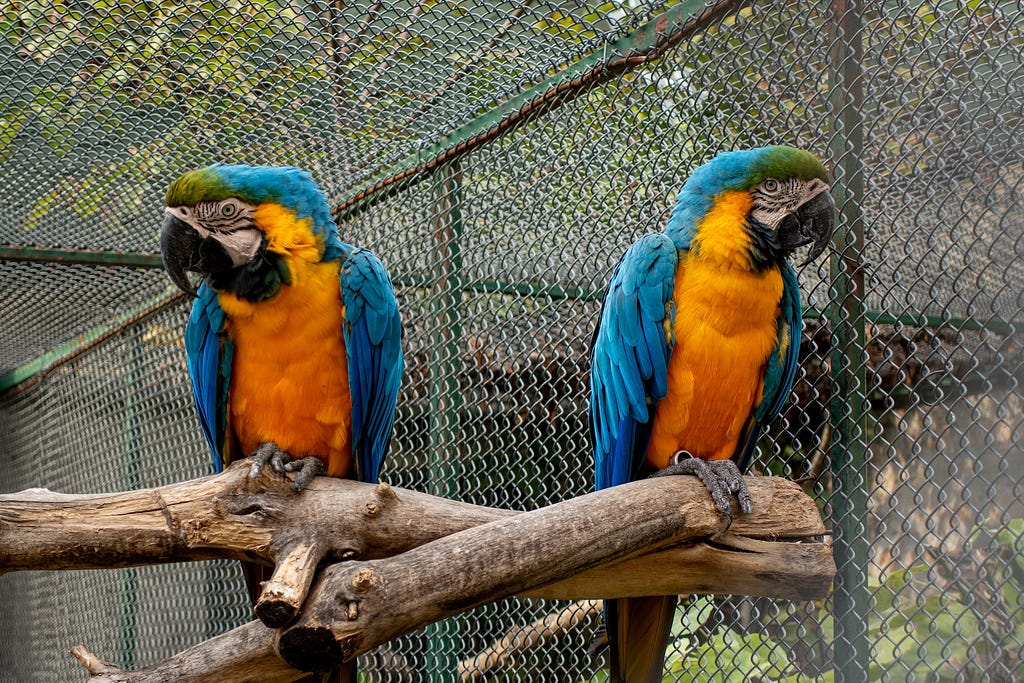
{"x":239,"y":227}
{"x":780,"y":196}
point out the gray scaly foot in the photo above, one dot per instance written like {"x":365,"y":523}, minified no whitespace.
{"x":268,"y":453}
{"x":730,"y":474}
{"x":721,"y":478}
{"x":307,"y":468}
{"x":279,"y":461}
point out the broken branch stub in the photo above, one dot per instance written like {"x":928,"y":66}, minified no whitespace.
{"x":232,"y":516}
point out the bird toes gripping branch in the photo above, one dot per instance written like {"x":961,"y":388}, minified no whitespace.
{"x":729,"y":473}
{"x":271,"y":454}
{"x":267,"y":454}
{"x":721,"y":478}
{"x":306,"y":469}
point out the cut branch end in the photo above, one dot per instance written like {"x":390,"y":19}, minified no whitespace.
{"x":284,"y":593}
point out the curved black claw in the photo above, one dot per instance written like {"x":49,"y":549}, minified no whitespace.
{"x":721,"y":478}
{"x":307,"y":468}
{"x":270,"y":453}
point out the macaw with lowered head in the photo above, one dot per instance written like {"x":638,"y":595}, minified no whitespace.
{"x":696,"y":349}
{"x":294,"y":340}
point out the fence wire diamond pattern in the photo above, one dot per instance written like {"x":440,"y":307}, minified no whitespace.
{"x":499,"y":157}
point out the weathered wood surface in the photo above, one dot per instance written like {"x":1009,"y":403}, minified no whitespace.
{"x":243,"y":655}
{"x":420,"y":558}
{"x":230,"y":516}
{"x":765,"y":554}
{"x":225,"y":515}
{"x":355,"y":606}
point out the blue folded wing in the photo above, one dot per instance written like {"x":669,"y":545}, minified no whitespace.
{"x":783,"y":362}
{"x":373,"y":342}
{"x":209,"y":351}
{"x":629,"y":358}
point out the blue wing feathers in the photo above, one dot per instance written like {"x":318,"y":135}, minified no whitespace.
{"x":629,"y":313}
{"x":781,"y":369}
{"x":658,"y":359}
{"x":209,"y":366}
{"x":373,"y":341}
{"x":646,"y":354}
{"x":629,"y":358}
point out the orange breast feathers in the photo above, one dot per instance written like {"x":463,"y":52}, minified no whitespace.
{"x":725,"y":329}
{"x":289,"y":374}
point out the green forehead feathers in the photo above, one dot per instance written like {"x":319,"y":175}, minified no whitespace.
{"x":198,"y":186}
{"x":785,"y":162}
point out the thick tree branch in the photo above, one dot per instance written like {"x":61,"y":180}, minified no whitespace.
{"x":356,"y":606}
{"x":245,"y":654}
{"x":227,"y":515}
{"x":422,"y":558}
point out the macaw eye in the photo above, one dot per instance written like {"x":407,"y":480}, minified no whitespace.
{"x":228,"y":209}
{"x":770,"y":185}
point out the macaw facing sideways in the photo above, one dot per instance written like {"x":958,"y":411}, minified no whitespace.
{"x":697,"y":345}
{"x":294,"y":341}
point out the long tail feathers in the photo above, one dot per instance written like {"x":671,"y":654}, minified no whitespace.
{"x":638,"y":633}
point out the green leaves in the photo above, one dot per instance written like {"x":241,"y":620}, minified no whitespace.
{"x":955,"y":617}
{"x":118,"y":87}
{"x":564,"y":27}
{"x":729,"y":656}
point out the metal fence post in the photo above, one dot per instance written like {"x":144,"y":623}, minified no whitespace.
{"x":848,"y":410}
{"x":445,"y":397}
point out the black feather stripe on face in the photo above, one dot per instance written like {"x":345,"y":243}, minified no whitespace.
{"x":765,"y":250}
{"x":257,"y":280}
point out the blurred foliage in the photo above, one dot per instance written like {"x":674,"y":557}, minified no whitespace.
{"x":959,"y":617}
{"x":98,"y":70}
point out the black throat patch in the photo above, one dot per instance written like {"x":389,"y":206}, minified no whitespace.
{"x":765,"y":250}
{"x":257,"y":280}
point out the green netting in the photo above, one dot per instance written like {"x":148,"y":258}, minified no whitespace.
{"x":499,"y":157}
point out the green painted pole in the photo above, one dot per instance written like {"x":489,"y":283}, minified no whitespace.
{"x":445,"y":394}
{"x":71,"y":348}
{"x":849,"y":408}
{"x":87,"y":257}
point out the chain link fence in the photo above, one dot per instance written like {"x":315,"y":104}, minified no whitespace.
{"x":499,"y":157}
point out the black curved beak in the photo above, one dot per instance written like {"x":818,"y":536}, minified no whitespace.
{"x":179,"y":247}
{"x":812,"y":224}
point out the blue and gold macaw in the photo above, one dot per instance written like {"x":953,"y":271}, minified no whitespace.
{"x":294,"y":341}
{"x":697,"y":346}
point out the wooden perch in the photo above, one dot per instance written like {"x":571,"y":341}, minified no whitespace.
{"x":245,"y":654}
{"x":227,"y":515}
{"x":422,"y":558}
{"x":356,"y":606}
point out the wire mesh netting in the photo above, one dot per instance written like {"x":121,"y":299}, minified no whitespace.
{"x":499,"y":157}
